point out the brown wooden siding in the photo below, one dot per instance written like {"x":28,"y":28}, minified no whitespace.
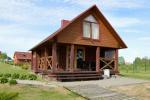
{"x":74,"y":35}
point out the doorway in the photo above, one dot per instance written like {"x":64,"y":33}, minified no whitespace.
{"x":80,"y":57}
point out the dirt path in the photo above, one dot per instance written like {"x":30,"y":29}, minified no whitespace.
{"x":38,"y":83}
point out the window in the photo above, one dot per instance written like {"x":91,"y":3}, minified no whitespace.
{"x":95,"y":31}
{"x":90,"y":28}
{"x":109,"y":54}
{"x":86,"y":28}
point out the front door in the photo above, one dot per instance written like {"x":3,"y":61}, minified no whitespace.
{"x":80,"y":57}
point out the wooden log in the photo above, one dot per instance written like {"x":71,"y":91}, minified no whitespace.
{"x":45,"y":60}
{"x":97,"y":59}
{"x":34,"y":61}
{"x":116,"y":62}
{"x":32,"y":65}
{"x":54,"y":56}
{"x":72,"y":57}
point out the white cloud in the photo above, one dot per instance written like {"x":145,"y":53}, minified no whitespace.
{"x":110,"y":3}
{"x":124,"y":21}
{"x":144,"y":38}
{"x":27,"y":23}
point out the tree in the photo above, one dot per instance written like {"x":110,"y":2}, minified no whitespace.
{"x":121,"y":60}
{"x":3,"y":56}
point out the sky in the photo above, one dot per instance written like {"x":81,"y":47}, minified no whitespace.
{"x":24,"y":23}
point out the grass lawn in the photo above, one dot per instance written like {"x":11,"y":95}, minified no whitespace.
{"x":141,"y":91}
{"x":30,"y":92}
{"x":6,"y":68}
{"x":138,"y":73}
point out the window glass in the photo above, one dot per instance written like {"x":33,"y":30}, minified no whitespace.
{"x":86,"y":29}
{"x":109,"y":54}
{"x":90,"y":18}
{"x":95,"y":31}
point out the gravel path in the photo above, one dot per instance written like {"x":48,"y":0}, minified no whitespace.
{"x":119,"y":81}
{"x":37,"y":83}
{"x":99,"y":89}
{"x":95,"y":92}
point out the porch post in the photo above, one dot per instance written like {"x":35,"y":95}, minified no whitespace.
{"x":32,"y":65}
{"x":54,"y":56}
{"x":72,"y":57}
{"x":116,"y":62}
{"x":37,"y":61}
{"x":97,"y":59}
{"x":45,"y":62}
{"x":34,"y":61}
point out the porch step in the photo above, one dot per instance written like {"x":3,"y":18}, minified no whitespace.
{"x":73,"y":76}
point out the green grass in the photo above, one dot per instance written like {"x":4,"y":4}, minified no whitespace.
{"x":29,"y":92}
{"x":6,"y":68}
{"x":139,"y":72}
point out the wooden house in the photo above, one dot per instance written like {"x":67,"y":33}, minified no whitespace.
{"x":81,"y":49}
{"x":22,"y":57}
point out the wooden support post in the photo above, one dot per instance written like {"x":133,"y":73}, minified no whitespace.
{"x":32,"y":65}
{"x":116,"y":62}
{"x":72,"y":58}
{"x":34,"y":61}
{"x":45,"y":62}
{"x":54,"y":56}
{"x":37,"y":61}
{"x":98,"y":59}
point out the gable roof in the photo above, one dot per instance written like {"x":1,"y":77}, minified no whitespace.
{"x":22,"y":55}
{"x":94,"y":7}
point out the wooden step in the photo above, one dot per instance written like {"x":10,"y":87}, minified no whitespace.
{"x":73,"y":76}
{"x":65,"y":75}
{"x":78,"y":78}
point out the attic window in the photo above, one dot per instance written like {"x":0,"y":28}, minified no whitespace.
{"x":90,"y":28}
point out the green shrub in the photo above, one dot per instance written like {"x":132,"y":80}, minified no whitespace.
{"x":1,"y":75}
{"x":7,"y":75}
{"x":3,"y":80}
{"x":25,"y":66}
{"x":8,"y":96}
{"x":32,"y":77}
{"x":23,"y":77}
{"x":12,"y":82}
{"x":15,"y":76}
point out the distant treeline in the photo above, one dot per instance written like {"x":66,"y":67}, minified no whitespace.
{"x":139,"y":64}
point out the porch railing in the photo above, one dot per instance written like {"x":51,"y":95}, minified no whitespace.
{"x":107,"y":62}
{"x":45,"y":63}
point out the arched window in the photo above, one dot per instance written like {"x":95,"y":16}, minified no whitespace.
{"x":90,"y":28}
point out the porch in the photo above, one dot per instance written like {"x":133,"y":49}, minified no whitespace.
{"x":78,"y":61}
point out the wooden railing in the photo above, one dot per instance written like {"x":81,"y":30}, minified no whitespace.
{"x":107,"y":62}
{"x":45,"y":63}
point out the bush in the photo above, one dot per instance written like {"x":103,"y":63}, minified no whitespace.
{"x":1,"y":75}
{"x":8,"y":96}
{"x":32,"y":77}
{"x":3,"y":80}
{"x":12,"y":82}
{"x":15,"y":76}
{"x":7,"y":75}
{"x":25,"y":66}
{"x":23,"y":77}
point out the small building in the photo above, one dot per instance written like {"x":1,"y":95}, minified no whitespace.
{"x":22,"y":57}
{"x":80,"y":49}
